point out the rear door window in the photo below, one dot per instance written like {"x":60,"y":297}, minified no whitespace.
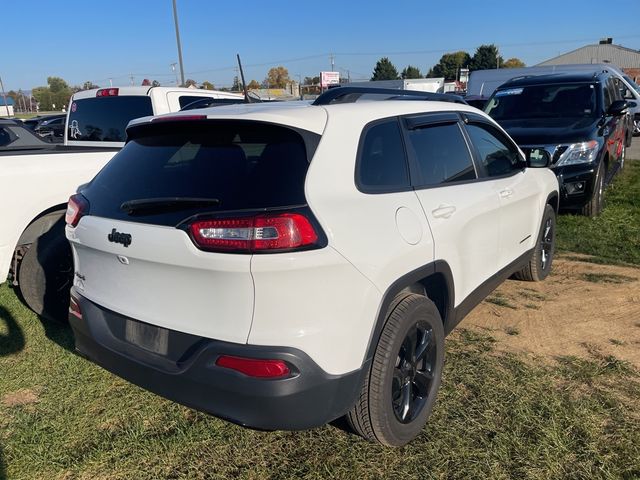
{"x":441,"y":154}
{"x":245,"y":165}
{"x":104,"y":119}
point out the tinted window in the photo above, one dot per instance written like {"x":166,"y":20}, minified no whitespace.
{"x":246,"y":165}
{"x":104,"y":119}
{"x":383,"y":162}
{"x":186,"y":100}
{"x":442,"y":154}
{"x":6,"y":137}
{"x":497,"y":155}
{"x":543,"y":101}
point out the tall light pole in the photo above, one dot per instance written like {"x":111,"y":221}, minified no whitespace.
{"x":175,"y":18}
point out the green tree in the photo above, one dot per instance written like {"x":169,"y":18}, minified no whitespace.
{"x":513,"y":63}
{"x":486,"y":57}
{"x":311,"y":81}
{"x":277,"y":77}
{"x":449,"y":65}
{"x":411,"y":72}
{"x":237,"y":86}
{"x":60,"y":92}
{"x":42,"y":96}
{"x":253,"y":85}
{"x":88,"y":85}
{"x":155,"y":83}
{"x":207,"y":85}
{"x":385,"y":70}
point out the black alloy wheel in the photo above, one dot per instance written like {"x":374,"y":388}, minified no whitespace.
{"x":413,"y":372}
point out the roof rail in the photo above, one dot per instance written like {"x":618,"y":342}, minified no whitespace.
{"x":352,"y":94}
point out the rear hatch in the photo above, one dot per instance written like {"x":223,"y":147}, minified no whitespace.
{"x":164,"y":236}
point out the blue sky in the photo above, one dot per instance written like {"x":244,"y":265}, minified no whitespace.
{"x":79,"y":40}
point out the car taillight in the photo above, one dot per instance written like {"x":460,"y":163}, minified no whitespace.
{"x":107,"y":92}
{"x":284,"y":231}
{"x":254,"y":367}
{"x":77,"y":207}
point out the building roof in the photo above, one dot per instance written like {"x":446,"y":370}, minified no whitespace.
{"x":600,"y":53}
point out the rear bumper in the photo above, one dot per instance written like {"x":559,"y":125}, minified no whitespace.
{"x":570,"y":176}
{"x":188,"y":375}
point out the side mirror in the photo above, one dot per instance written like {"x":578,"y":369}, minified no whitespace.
{"x":617,"y":108}
{"x":538,"y":158}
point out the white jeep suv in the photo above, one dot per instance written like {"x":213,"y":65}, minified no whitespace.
{"x":283,"y":265}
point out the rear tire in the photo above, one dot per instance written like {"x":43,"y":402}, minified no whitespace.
{"x":540,"y":264}
{"x":46,"y":273}
{"x":594,"y":206}
{"x":401,"y":387}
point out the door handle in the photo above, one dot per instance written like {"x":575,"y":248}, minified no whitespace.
{"x":443,"y":211}
{"x":506,"y":193}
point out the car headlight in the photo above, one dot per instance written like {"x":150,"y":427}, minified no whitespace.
{"x":584,"y":152}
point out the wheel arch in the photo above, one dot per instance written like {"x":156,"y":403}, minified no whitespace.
{"x":434,"y":280}
{"x":41,"y":224}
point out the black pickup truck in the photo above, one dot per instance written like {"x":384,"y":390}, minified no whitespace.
{"x":579,"y":119}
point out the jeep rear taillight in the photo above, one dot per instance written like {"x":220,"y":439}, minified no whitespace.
{"x":77,"y":207}
{"x":259,"y":233}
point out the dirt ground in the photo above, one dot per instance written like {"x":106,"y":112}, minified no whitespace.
{"x":581,"y":309}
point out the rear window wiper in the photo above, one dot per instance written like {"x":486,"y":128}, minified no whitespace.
{"x":146,"y":205}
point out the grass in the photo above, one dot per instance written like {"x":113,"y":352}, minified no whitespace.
{"x":497,"y":417}
{"x":607,"y":278}
{"x":614,"y":236}
{"x":500,"y":300}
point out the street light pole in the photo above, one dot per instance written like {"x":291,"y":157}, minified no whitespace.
{"x":175,"y":18}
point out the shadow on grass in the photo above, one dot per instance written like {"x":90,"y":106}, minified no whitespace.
{"x":59,"y":332}
{"x":3,"y":472}
{"x":13,"y":340}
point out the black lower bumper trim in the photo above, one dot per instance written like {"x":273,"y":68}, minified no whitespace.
{"x":186,"y":373}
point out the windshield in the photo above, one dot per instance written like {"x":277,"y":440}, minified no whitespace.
{"x":543,"y":101}
{"x":104,"y":119}
{"x":169,"y":172}
{"x":633,"y":84}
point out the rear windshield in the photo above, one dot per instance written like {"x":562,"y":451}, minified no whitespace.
{"x":544,"y":101}
{"x":244,"y":165}
{"x":104,"y":119}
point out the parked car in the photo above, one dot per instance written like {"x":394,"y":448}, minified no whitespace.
{"x":283,"y":265}
{"x":579,"y":119}
{"x":14,"y":135}
{"x":32,"y":123}
{"x":33,"y":250}
{"x":52,"y":126}
{"x":482,"y":84}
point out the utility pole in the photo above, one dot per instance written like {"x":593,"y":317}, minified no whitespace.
{"x":4,"y":96}
{"x":173,"y":68}
{"x":332,"y":62}
{"x":131,"y":77}
{"x":175,"y":18}
{"x":111,"y":82}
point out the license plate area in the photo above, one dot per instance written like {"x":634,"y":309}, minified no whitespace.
{"x":148,"y":337}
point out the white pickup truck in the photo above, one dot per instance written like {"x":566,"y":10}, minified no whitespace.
{"x":35,"y":185}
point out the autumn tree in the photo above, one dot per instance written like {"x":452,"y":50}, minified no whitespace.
{"x":277,"y":77}
{"x":384,"y":70}
{"x":486,"y":57}
{"x":253,"y":85}
{"x":207,"y":85}
{"x":449,"y":65}
{"x":513,"y":63}
{"x":88,"y":85}
{"x":411,"y":72}
{"x":146,"y":82}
